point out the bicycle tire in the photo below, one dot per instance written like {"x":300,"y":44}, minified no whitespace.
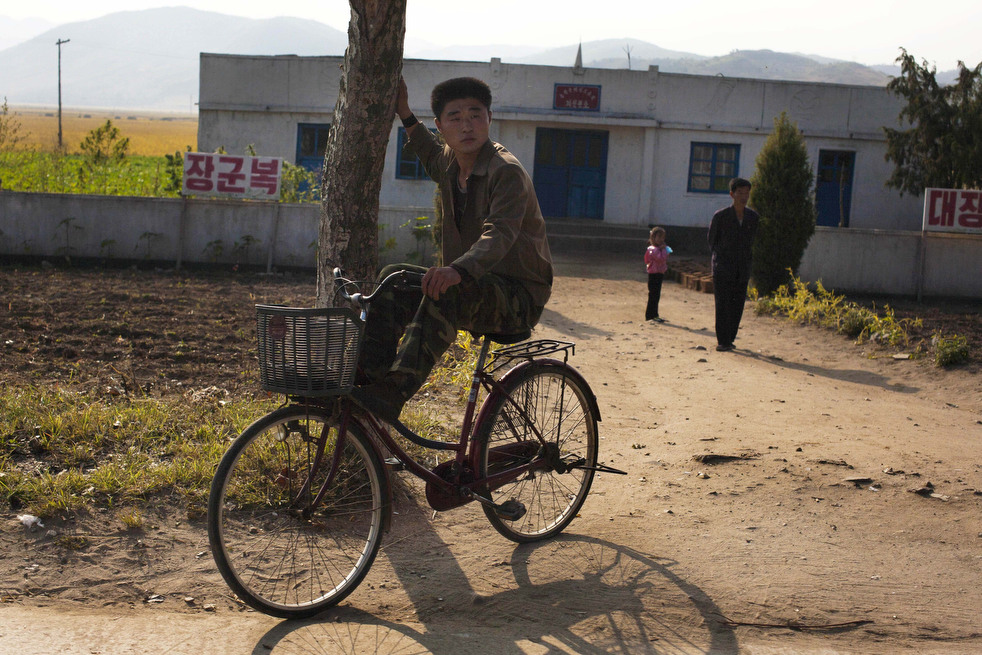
{"x":274,"y":557}
{"x":561,"y":405}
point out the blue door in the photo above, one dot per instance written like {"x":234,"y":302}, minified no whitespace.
{"x":570,"y":172}
{"x":833,"y":191}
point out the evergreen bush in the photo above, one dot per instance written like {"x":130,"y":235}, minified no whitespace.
{"x":782,"y":195}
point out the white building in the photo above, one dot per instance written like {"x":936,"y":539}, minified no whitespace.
{"x":619,"y":146}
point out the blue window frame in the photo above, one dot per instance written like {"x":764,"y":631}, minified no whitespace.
{"x":311,"y":145}
{"x":408,"y":167}
{"x":712,"y":166}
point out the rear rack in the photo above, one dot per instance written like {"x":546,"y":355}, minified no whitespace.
{"x":529,"y":350}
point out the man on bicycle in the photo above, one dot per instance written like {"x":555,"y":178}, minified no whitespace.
{"x":495,"y":273}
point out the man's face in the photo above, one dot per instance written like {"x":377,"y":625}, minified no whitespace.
{"x":740,"y":196}
{"x":464,"y":124}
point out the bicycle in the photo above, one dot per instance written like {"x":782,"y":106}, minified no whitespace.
{"x":302,"y":497}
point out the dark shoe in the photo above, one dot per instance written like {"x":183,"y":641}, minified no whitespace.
{"x":381,"y":399}
{"x":725,"y":347}
{"x":659,"y":319}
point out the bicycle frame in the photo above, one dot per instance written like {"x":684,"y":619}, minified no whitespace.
{"x":461,"y":485}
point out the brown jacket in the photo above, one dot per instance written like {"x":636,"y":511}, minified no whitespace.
{"x":502,"y":230}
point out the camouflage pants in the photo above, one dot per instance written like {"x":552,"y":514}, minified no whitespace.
{"x":427,"y":327}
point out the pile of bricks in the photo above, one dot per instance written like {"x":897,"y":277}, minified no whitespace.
{"x":693,"y":274}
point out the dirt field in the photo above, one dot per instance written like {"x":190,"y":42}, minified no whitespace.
{"x":800,"y":494}
{"x":150,"y":134}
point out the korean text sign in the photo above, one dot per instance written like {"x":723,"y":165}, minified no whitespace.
{"x":952,"y":210}
{"x":582,"y":97}
{"x":212,"y":174}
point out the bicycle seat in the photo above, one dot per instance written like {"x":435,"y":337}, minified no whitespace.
{"x":507,"y":339}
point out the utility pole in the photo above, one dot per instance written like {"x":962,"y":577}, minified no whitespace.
{"x":58,"y":43}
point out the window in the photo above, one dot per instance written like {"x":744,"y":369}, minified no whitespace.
{"x":311,"y":145}
{"x":712,"y":166}
{"x":407,"y":166}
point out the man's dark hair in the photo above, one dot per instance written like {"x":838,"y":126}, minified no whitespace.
{"x":457,"y":88}
{"x":737,"y":183}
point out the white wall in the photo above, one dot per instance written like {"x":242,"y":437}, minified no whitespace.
{"x":652,"y":119}
{"x":873,"y":261}
{"x":151,"y":229}
{"x":889,"y":262}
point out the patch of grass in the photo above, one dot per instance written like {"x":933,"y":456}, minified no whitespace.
{"x":132,"y":519}
{"x":949,"y":351}
{"x":62,"y":450}
{"x":43,"y":172}
{"x":816,"y":305}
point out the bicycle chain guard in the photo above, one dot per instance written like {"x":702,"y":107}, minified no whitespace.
{"x":442,"y":499}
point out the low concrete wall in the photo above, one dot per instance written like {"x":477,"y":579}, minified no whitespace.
{"x":890,"y":262}
{"x":178,"y":230}
{"x":285,"y":235}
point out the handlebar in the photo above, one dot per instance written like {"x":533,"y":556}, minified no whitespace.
{"x":401,"y":280}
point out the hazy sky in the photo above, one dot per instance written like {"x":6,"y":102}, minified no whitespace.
{"x":866,"y":31}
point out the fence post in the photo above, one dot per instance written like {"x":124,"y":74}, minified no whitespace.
{"x":272,"y":240}
{"x":181,"y":229}
{"x":921,"y":256}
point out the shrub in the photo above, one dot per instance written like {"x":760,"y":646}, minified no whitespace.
{"x":855,"y":321}
{"x":782,"y":195}
{"x":949,"y":351}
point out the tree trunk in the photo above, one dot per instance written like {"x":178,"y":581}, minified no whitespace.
{"x":357,"y":141}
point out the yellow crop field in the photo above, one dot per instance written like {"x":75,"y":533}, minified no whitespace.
{"x":152,"y":135}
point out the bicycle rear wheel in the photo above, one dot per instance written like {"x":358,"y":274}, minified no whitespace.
{"x":558,"y":403}
{"x":277,"y":551}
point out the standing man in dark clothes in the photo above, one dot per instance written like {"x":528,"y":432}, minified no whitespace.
{"x":731,"y":240}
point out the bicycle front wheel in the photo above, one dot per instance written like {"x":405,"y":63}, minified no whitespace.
{"x":549,"y":399}
{"x":281,"y":552}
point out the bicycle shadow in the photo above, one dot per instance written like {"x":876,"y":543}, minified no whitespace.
{"x":573,"y":593}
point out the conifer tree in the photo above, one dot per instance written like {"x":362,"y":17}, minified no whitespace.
{"x":782,"y":195}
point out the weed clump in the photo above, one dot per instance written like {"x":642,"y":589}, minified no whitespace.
{"x":802,"y":303}
{"x":949,"y":351}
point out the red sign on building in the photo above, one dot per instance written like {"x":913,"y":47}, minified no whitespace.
{"x":952,"y":210}
{"x":582,"y":97}
{"x":212,"y":174}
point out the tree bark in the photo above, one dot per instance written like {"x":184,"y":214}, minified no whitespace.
{"x":355,"y":154}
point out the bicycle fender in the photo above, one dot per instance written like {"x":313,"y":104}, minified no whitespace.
{"x":572,"y":372}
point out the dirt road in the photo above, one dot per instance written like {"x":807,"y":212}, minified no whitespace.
{"x":792,"y":496}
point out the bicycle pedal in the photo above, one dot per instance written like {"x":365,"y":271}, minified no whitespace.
{"x":510,"y":510}
{"x":394,"y":464}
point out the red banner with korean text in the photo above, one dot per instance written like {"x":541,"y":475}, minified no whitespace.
{"x":952,"y":210}
{"x":212,"y":174}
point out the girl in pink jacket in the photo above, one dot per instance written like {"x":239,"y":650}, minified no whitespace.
{"x":656,"y":263}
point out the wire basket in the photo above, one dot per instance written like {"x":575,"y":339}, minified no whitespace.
{"x":308,"y":352}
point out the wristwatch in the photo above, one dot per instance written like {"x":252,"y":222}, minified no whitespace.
{"x":409,"y":121}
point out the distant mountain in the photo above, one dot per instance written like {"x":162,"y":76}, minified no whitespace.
{"x":18,"y":30}
{"x":943,"y":77}
{"x":607,"y":53}
{"x":770,"y":65}
{"x":149,"y":59}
